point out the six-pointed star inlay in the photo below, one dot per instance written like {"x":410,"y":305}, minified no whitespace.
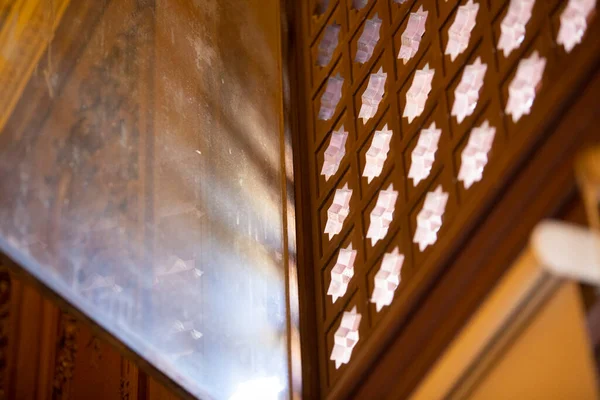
{"x":512,"y":28}
{"x":474,"y":157}
{"x":423,"y":155}
{"x":338,"y":211}
{"x":574,"y":22}
{"x":429,"y":219}
{"x":523,"y":87}
{"x":382,"y":215}
{"x":373,"y":95}
{"x":411,"y":37}
{"x":459,"y":33}
{"x":466,"y":93}
{"x":387,"y":279}
{"x":417,"y":94}
{"x":377,"y":153}
{"x":335,"y":153}
{"x":345,"y":338}
{"x":341,"y":273}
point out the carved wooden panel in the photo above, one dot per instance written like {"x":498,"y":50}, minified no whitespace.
{"x":459,"y":110}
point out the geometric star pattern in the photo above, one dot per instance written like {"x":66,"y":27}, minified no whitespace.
{"x":331,"y":97}
{"x":373,"y":95}
{"x":382,"y":215}
{"x":423,"y":156}
{"x":328,"y":44}
{"x":387,"y":279}
{"x":341,"y":273}
{"x":377,"y":153}
{"x":411,"y":37}
{"x":459,"y":33}
{"x":335,"y":153}
{"x":466,"y":94}
{"x":417,"y":94}
{"x":474,"y":157}
{"x":513,"y":25}
{"x":429,"y":219}
{"x":338,"y":211}
{"x":573,"y":22}
{"x":368,"y":40}
{"x":345,"y":338}
{"x":523,"y":88}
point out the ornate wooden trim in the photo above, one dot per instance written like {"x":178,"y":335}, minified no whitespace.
{"x":65,"y":356}
{"x":5,"y":297}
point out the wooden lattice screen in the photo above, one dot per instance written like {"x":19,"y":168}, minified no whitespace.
{"x":335,"y":37}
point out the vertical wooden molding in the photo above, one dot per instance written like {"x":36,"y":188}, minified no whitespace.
{"x":128,"y":389}
{"x":5,"y":288}
{"x":65,"y":359}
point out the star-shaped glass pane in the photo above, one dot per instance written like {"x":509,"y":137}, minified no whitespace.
{"x":429,"y":219}
{"x":342,"y":273}
{"x":382,"y":215}
{"x":331,"y":97}
{"x":459,"y":33}
{"x":335,"y":153}
{"x":423,"y":155}
{"x":377,"y":153}
{"x":373,"y":95}
{"x":417,"y":94}
{"x":387,"y":279}
{"x":522,"y":89}
{"x":345,"y":338}
{"x":411,"y":37}
{"x":475,"y":155}
{"x":368,"y":40}
{"x":328,"y":44}
{"x":512,"y":28}
{"x":338,"y":211}
{"x":466,"y":93}
{"x":574,"y":22}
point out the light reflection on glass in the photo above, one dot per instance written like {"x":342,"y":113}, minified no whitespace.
{"x":146,"y":188}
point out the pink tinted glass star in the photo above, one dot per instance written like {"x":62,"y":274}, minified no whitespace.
{"x":338,"y":211}
{"x":574,"y":22}
{"x":342,"y":273}
{"x":328,"y":44}
{"x":512,"y":28}
{"x":460,"y":30}
{"x":423,"y":155}
{"x":373,"y":95}
{"x":331,"y":97}
{"x":417,"y":94}
{"x":411,"y":37}
{"x":345,"y":338}
{"x":382,"y":214}
{"x":387,"y":279}
{"x":335,"y":153}
{"x":475,"y":155}
{"x":368,"y":40}
{"x":522,"y":89}
{"x":429,"y":219}
{"x":377,"y":153}
{"x":466,"y":94}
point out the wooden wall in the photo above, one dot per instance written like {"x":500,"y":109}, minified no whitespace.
{"x":46,"y":353}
